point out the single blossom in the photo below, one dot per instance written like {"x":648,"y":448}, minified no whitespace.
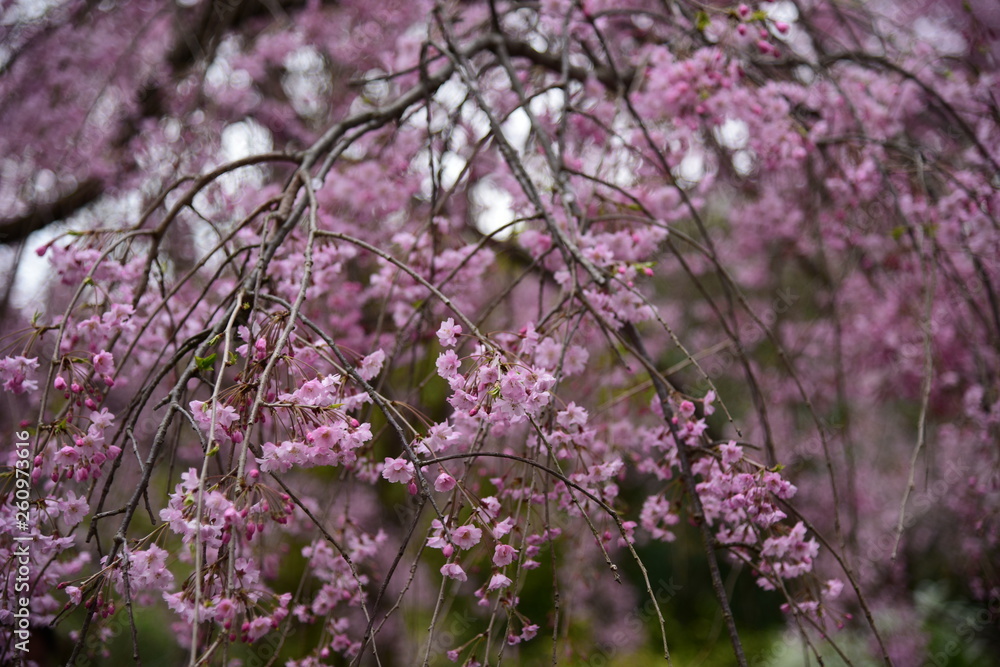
{"x":449,"y":332}
{"x":466,"y":536}
{"x":498,"y":581}
{"x":503,"y":554}
{"x":104,"y":363}
{"x":397,"y":470}
{"x":444,"y":483}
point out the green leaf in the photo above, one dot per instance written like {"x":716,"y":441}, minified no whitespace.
{"x":205,"y":363}
{"x":701,"y":20}
{"x":898,"y":231}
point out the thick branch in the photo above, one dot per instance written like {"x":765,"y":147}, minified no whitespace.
{"x":13,"y":230}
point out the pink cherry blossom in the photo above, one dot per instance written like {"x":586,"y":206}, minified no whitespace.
{"x":448,"y":332}
{"x":444,"y":483}
{"x":504,"y":554}
{"x":727,"y":281}
{"x":498,"y":581}
{"x":466,"y":536}
{"x":104,"y":363}
{"x":397,"y":470}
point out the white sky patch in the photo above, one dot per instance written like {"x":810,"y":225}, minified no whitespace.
{"x":691,"y":169}
{"x":305,"y":81}
{"x":495,"y":211}
{"x":805,"y":74}
{"x":377,"y":89}
{"x":516,"y":129}
{"x":240,"y":140}
{"x":733,"y":134}
{"x":26,"y":11}
{"x":944,"y":39}
{"x":450,"y":167}
{"x":549,"y":101}
{"x":31,"y":279}
{"x":781,"y":11}
{"x":743,"y":162}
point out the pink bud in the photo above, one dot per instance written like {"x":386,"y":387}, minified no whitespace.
{"x":448,"y":550}
{"x":59,"y":383}
{"x":781,"y":27}
{"x":75,"y":388}
{"x":743,"y":10}
{"x":412,"y":488}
